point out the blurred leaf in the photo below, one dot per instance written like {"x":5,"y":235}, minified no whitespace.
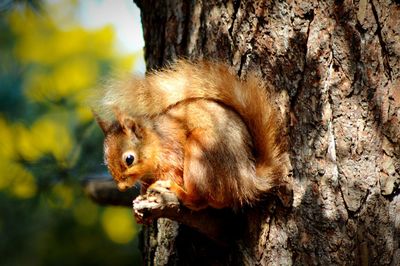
{"x":49,"y":142}
{"x":86,"y":212}
{"x":118,"y":224}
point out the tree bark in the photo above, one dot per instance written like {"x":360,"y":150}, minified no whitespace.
{"x":336,"y":68}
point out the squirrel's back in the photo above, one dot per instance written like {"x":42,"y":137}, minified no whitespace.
{"x":210,"y":144}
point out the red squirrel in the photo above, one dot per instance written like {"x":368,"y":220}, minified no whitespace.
{"x":196,"y":129}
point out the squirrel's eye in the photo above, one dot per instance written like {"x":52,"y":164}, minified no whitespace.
{"x":128,"y":158}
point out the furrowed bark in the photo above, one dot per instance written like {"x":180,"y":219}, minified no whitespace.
{"x":336,"y":68}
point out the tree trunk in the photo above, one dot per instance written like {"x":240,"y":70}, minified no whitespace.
{"x":336,"y":66}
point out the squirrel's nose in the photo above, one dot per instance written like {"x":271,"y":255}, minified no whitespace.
{"x":122,"y":186}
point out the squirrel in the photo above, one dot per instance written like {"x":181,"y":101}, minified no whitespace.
{"x":196,"y":129}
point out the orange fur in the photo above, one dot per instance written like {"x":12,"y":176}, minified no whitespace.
{"x":215,"y":138}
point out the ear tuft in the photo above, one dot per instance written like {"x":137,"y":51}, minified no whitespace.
{"x":104,"y":125}
{"x":118,"y":115}
{"x":130,"y":125}
{"x":133,"y":126}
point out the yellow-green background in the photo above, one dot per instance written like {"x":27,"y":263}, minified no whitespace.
{"x":49,"y":64}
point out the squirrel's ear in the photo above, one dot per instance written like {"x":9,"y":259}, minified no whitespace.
{"x":104,"y":125}
{"x":128,"y":124}
{"x":132,"y":126}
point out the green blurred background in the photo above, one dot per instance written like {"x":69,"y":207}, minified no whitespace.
{"x":49,"y":64}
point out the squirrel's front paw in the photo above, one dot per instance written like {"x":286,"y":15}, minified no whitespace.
{"x":157,"y":202}
{"x":159,"y":187}
{"x":161,"y":191}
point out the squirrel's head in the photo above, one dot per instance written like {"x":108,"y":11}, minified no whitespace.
{"x":127,"y":153}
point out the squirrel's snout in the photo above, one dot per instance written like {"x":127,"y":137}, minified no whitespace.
{"x":122,"y":187}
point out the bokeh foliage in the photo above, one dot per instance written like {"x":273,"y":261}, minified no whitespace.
{"x":49,"y":142}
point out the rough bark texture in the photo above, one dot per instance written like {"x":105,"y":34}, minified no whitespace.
{"x":336,"y":65}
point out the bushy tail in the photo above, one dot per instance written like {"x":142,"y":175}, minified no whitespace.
{"x":184,"y":80}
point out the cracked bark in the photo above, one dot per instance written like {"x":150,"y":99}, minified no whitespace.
{"x":336,"y":66}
